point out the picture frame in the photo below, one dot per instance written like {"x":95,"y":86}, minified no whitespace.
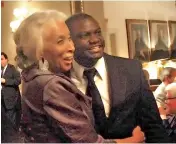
{"x":159,"y":40}
{"x":172,"y":34}
{"x":76,"y":6}
{"x":138,"y":39}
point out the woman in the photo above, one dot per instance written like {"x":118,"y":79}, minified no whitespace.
{"x":54,"y":110}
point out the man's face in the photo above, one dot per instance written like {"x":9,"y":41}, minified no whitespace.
{"x":4,"y":61}
{"x":173,"y":76}
{"x":89,"y":42}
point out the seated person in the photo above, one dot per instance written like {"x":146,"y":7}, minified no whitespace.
{"x":147,"y":76}
{"x":170,"y":112}
{"x":167,"y":77}
{"x":171,"y":98}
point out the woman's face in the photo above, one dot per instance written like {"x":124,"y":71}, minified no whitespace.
{"x":58,"y":46}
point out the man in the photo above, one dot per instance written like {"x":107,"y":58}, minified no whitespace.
{"x":165,"y":96}
{"x":126,"y":100}
{"x":171,"y":97}
{"x":170,"y":121}
{"x":168,"y":75}
{"x":10,"y":94}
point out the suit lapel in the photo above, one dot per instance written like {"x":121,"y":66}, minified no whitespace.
{"x":117,"y":83}
{"x":6,"y":71}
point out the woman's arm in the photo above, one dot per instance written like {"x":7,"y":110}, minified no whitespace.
{"x":66,"y":113}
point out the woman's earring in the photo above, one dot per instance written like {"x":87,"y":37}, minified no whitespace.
{"x":43,"y":64}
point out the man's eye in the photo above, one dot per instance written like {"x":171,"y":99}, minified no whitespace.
{"x":98,"y":32}
{"x":84,"y":36}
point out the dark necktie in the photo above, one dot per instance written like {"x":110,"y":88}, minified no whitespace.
{"x":97,"y":104}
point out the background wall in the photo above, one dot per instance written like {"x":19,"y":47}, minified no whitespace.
{"x":94,"y":8}
{"x":117,"y":12}
{"x":110,"y":15}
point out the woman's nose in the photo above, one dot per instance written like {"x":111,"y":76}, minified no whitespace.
{"x":71,"y":45}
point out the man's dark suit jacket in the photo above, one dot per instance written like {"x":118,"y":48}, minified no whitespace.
{"x":132,"y":102}
{"x":10,"y":90}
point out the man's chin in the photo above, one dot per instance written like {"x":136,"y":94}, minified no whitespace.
{"x":95,"y":55}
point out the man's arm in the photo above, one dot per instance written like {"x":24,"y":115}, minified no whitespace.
{"x":65,"y":112}
{"x":16,"y":80}
{"x":148,"y":115}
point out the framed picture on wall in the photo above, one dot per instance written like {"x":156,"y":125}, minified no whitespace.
{"x":138,"y":39}
{"x":172,"y":33}
{"x":159,"y":38}
{"x":76,"y":6}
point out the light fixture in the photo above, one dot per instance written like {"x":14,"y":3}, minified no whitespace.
{"x":20,"y":14}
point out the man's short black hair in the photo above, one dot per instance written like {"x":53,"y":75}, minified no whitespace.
{"x":4,"y":54}
{"x":77,"y":16}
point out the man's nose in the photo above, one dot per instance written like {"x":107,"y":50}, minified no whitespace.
{"x":94,"y":38}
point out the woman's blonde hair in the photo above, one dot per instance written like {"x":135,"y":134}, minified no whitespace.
{"x":28,"y":37}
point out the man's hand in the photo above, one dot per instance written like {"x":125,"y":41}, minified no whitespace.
{"x":3,"y":80}
{"x":137,"y":137}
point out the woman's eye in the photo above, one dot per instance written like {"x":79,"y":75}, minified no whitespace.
{"x":60,"y":41}
{"x":70,"y":39}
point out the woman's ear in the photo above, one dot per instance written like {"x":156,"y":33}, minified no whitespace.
{"x":43,"y":64}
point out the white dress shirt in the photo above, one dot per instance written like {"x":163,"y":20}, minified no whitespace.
{"x":4,"y":70}
{"x":101,"y":81}
{"x":160,"y":95}
{"x":3,"y":73}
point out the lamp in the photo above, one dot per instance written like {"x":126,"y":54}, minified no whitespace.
{"x":20,"y":14}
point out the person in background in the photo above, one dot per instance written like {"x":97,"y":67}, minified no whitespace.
{"x":168,"y":75}
{"x":147,"y":76}
{"x":171,"y":97}
{"x":54,"y":110}
{"x":170,"y":113}
{"x":10,"y":94}
{"x":8,"y":133}
{"x":121,"y":99}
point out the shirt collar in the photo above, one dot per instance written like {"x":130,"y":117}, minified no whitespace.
{"x":5,"y":67}
{"x":99,"y":66}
